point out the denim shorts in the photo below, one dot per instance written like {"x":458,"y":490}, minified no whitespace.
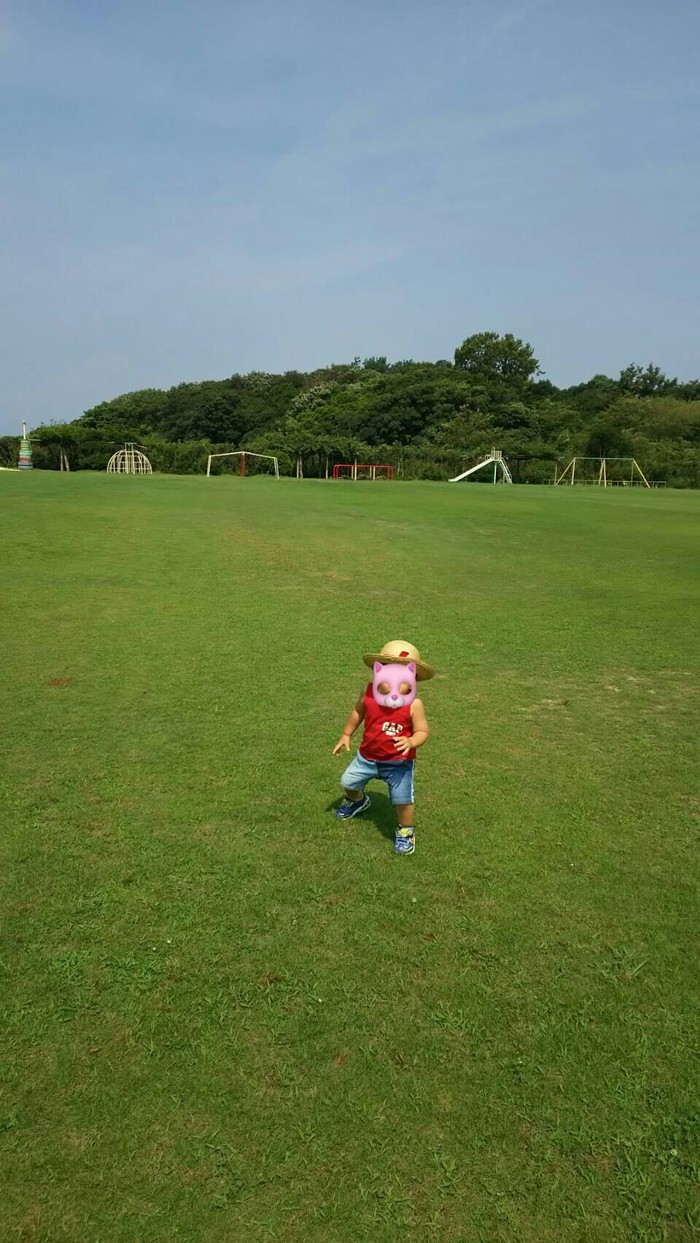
{"x":398,"y":775}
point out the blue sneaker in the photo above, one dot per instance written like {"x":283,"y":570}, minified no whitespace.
{"x":348,"y":808}
{"x":405,"y":841}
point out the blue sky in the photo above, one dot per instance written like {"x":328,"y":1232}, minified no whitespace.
{"x":190,"y":188}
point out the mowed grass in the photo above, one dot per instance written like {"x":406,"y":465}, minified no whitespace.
{"x":228,"y":1018}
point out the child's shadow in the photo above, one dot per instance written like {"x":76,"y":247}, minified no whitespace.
{"x":381,"y":814}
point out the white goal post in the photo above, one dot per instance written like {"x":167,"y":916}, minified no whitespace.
{"x":243,"y":454}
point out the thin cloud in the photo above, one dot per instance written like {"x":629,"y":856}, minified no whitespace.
{"x":513,"y":17}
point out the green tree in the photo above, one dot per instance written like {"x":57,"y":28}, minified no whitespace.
{"x":145,"y":407}
{"x":470,"y":431}
{"x":607,"y":437}
{"x":658,"y":418}
{"x":645,"y":382}
{"x":589,"y":399}
{"x":494,"y":360}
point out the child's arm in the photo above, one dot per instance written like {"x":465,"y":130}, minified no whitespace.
{"x":420,"y":733}
{"x":356,"y":716}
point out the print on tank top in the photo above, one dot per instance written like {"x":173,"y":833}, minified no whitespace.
{"x":382,"y":727}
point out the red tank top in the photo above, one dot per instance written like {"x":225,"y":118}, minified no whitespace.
{"x":382,"y":727}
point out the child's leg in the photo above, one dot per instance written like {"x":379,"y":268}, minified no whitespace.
{"x":405,"y":813}
{"x":405,"y":836}
{"x":353,"y":782}
{"x":356,"y":776}
{"x":399,"y":778}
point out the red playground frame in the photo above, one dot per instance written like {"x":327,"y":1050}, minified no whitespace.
{"x":353,"y":468}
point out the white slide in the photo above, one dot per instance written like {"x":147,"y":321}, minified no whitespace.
{"x":496,"y":459}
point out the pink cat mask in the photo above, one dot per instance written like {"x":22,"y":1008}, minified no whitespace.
{"x":393,"y":686}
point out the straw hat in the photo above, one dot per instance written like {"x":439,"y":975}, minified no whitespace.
{"x":398,"y":652}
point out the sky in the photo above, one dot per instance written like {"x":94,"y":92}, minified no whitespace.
{"x":193,"y":188}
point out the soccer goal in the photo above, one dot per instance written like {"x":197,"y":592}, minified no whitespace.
{"x":362,"y":470}
{"x":243,"y":455}
{"x":602,"y":472}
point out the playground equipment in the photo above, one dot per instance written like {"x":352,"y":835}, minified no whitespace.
{"x":496,"y":458}
{"x":243,"y":454}
{"x":129,"y":461}
{"x":349,"y":470}
{"x":25,"y":451}
{"x":599,"y":475}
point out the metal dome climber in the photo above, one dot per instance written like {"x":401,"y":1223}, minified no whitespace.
{"x":129,"y":461}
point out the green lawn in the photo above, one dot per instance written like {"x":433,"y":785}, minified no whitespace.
{"x":226,"y":1018}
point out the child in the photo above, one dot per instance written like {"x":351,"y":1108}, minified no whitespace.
{"x":395,"y":726}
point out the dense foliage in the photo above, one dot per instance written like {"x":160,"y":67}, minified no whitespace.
{"x":427,"y":419}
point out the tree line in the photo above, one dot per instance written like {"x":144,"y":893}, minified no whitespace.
{"x":427,"y":419}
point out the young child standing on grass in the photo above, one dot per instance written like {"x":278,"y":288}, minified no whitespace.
{"x":395,"y":726}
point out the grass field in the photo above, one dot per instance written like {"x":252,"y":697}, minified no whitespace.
{"x":228,"y":1018}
